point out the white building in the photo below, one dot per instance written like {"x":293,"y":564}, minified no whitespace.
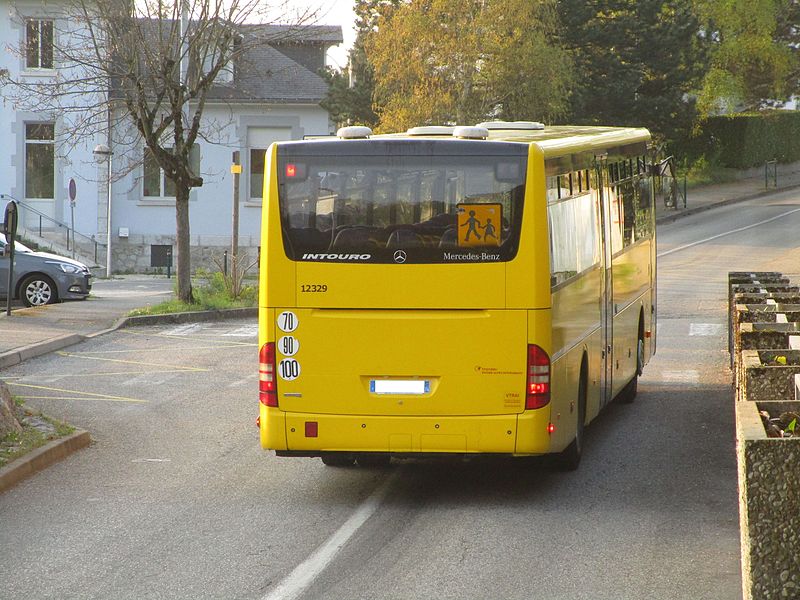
{"x":274,"y":96}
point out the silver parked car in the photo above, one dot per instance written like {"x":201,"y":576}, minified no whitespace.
{"x":42,"y":278}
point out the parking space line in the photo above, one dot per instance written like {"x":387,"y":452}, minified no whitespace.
{"x":184,"y":330}
{"x":117,"y":373}
{"x":206,"y":338}
{"x":83,"y":395}
{"x":166,"y":348}
{"x":132,"y":362}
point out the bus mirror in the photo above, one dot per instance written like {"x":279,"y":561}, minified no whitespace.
{"x":507,"y":171}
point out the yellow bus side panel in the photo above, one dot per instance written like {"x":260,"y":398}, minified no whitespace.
{"x":281,"y":273}
{"x":532,"y":436}
{"x":631,"y":288}
{"x":528,"y":275}
{"x":576,"y":329}
{"x":273,"y":428}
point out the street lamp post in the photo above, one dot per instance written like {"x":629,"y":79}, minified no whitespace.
{"x":101,"y":151}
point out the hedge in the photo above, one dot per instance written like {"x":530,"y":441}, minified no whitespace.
{"x":741,"y":141}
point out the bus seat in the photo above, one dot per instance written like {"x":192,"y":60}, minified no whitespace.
{"x":404,"y":238}
{"x":354,"y":238}
{"x":449,"y":238}
{"x":310,"y":239}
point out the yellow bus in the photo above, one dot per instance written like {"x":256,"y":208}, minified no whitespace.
{"x":453,"y":290}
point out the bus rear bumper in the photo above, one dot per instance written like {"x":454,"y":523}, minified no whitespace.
{"x":304,"y":434}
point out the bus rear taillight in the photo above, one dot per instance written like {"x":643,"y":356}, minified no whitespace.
{"x":538,"y":392}
{"x":267,"y":391}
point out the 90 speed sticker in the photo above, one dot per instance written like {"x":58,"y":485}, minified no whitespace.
{"x":289,"y":369}
{"x":288,"y":345}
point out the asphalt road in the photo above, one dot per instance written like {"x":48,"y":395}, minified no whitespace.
{"x":175,"y":498}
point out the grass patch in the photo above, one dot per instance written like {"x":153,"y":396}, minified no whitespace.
{"x":706,"y":172}
{"x":212,"y":291}
{"x":37,"y":430}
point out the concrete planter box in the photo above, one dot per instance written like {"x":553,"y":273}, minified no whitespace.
{"x":767,"y":313}
{"x":762,"y":378}
{"x":759,"y":336}
{"x":769,"y":504}
{"x":766,"y":336}
{"x":762,"y":298}
{"x":742,"y":277}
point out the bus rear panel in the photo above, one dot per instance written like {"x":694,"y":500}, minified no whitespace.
{"x":390,"y":312}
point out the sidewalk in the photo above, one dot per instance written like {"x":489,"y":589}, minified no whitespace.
{"x":710,"y":196}
{"x":30,"y":332}
{"x":36,"y":331}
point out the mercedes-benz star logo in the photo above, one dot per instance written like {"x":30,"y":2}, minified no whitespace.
{"x":400,"y":256}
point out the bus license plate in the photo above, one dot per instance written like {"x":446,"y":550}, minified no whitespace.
{"x":414,"y":387}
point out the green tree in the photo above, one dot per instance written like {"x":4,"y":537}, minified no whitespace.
{"x":463,"y":61}
{"x":637,"y":63}
{"x":754,"y":53}
{"x":350,"y":92}
{"x":145,"y":72}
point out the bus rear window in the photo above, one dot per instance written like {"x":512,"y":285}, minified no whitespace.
{"x":395,"y":207}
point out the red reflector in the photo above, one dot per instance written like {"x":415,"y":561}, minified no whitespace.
{"x":550,"y":428}
{"x":258,"y":421}
{"x":291,"y":170}
{"x":537,"y":393}
{"x":268,"y":393}
{"x":311,"y":428}
{"x":647,"y":334}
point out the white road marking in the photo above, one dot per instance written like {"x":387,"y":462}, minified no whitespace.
{"x":719,"y":235}
{"x":247,"y":331}
{"x":705,"y":329}
{"x":680,"y":376}
{"x":245,"y":381}
{"x":183,"y":329}
{"x":151,"y":460}
{"x":306,"y":572}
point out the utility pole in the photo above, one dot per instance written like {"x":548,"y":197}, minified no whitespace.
{"x":236,"y":170}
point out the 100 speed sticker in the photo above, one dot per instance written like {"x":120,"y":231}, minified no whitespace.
{"x":288,"y":345}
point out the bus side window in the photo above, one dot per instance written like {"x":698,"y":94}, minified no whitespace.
{"x":574,"y":240}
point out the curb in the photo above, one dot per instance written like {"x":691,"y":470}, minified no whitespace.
{"x":671,"y":217}
{"x":16,"y":356}
{"x":41,"y":458}
{"x":186,"y":317}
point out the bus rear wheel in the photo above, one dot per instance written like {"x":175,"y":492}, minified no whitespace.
{"x":628,"y":393}
{"x":570,"y":458}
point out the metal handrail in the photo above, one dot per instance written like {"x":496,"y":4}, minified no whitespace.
{"x":59,"y":224}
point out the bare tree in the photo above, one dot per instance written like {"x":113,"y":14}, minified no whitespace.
{"x":148,"y":67}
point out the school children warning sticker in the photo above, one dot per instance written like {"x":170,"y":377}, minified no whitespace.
{"x":479,"y":224}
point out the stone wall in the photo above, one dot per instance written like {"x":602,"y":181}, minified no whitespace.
{"x":133,"y":255}
{"x":765,"y":363}
{"x":769,"y":490}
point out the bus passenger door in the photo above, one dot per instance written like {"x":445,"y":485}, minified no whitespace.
{"x":607,"y":290}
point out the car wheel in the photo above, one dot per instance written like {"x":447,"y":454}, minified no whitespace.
{"x":37,"y":290}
